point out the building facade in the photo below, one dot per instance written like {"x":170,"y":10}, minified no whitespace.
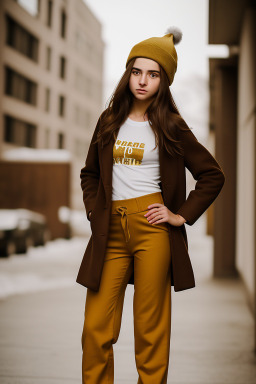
{"x":233,"y":121}
{"x":51,"y":79}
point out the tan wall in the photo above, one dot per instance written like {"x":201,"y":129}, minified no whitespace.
{"x":246,"y":230}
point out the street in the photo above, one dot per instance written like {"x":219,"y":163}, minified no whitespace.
{"x":41,"y":319}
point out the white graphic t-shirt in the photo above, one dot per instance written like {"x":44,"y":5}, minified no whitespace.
{"x":136,"y":169}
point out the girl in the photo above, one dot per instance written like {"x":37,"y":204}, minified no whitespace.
{"x":134,"y":191}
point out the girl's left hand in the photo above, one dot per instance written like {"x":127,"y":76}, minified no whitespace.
{"x":159,"y":213}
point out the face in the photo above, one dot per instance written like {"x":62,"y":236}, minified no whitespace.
{"x":145,"y":76}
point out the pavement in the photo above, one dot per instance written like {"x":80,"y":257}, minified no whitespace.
{"x":40,"y":326}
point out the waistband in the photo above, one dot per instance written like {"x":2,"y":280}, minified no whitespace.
{"x":137,"y":204}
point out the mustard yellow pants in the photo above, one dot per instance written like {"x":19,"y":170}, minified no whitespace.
{"x":133,"y":242}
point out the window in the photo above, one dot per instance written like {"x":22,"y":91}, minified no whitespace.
{"x":48,"y":58}
{"x":61,"y":105}
{"x":49,"y":14}
{"x":60,"y":141}
{"x":63,"y":24}
{"x":19,"y":132}
{"x":47,"y":99}
{"x":62,"y":67}
{"x":20,"y":39}
{"x":20,"y":87}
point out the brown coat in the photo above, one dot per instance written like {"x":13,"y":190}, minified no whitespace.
{"x":96,"y":183}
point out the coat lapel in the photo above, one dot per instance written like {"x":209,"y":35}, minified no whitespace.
{"x":106,"y":167}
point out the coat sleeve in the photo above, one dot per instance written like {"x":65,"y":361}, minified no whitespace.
{"x":208,"y":173}
{"x":90,"y":174}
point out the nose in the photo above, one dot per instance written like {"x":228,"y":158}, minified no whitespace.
{"x":143,"y":79}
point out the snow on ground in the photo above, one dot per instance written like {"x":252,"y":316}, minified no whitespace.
{"x":42,"y":268}
{"x":54,"y":265}
{"x":57,"y":263}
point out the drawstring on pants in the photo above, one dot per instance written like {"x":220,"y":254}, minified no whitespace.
{"x":124,"y":221}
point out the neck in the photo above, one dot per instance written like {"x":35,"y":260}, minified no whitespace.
{"x":139,"y":107}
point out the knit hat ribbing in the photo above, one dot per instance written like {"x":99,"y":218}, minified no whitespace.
{"x":160,"y":49}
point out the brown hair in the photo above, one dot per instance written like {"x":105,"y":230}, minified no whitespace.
{"x":163,"y":115}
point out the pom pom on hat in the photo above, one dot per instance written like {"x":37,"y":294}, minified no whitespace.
{"x":176,"y":32}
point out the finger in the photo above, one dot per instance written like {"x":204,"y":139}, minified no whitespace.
{"x":153,"y":213}
{"x":155,"y":205}
{"x":159,"y":221}
{"x":155,"y":218}
{"x":153,"y":210}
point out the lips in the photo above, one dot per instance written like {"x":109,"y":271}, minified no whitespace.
{"x":141,"y":90}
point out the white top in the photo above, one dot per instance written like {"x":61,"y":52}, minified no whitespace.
{"x":136,"y":170}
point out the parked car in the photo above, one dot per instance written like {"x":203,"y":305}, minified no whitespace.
{"x":20,"y":229}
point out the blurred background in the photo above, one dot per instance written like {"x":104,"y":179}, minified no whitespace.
{"x":60,"y":62}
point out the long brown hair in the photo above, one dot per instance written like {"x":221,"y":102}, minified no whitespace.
{"x":163,"y":115}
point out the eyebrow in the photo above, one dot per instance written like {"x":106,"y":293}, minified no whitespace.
{"x":138,"y":69}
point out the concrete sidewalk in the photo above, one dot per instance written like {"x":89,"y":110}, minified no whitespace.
{"x":211,"y":341}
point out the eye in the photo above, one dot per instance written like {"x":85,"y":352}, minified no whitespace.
{"x":134,"y":72}
{"x":154,"y":74}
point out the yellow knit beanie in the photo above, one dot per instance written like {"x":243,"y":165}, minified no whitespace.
{"x":160,"y":49}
